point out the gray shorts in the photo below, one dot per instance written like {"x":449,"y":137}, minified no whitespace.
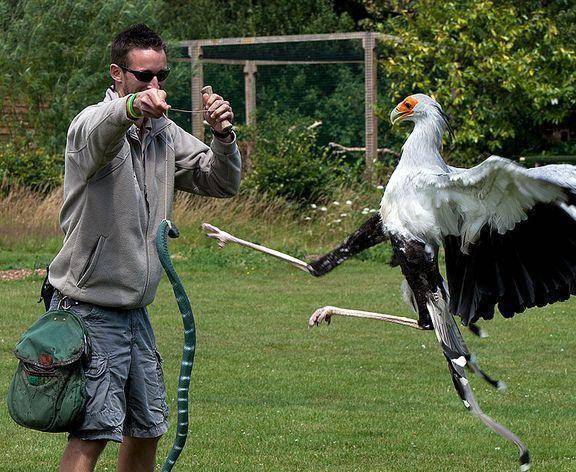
{"x":124,"y":380}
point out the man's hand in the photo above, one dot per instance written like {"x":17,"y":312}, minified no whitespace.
{"x":151,"y":103}
{"x":216,"y":111}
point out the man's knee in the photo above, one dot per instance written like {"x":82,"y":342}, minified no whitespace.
{"x":89,"y":448}
{"x":137,"y":454}
{"x":141,"y":443}
{"x":81,"y":456}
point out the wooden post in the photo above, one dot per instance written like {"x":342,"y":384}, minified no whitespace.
{"x":195,"y":52}
{"x":250,"y":92}
{"x":370,"y":96}
{"x":250,"y":70}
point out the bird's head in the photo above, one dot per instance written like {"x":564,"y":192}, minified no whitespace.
{"x":419,"y":108}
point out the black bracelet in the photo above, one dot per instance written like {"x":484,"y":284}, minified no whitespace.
{"x":220,"y":135}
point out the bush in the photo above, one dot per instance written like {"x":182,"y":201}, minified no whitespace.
{"x":30,"y":167}
{"x":289,"y":162}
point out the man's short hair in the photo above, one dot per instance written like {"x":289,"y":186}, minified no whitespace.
{"x":134,"y":37}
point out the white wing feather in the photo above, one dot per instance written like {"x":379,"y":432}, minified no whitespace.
{"x":497,"y":192}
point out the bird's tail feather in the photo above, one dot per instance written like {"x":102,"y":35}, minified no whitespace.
{"x":458,"y":358}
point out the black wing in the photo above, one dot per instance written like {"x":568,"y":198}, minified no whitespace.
{"x":533,"y":264}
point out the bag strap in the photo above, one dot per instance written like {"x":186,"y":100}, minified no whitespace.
{"x":47,"y":291}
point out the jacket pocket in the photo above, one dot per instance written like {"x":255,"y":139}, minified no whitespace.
{"x":97,"y":386}
{"x":91,"y":262}
{"x":161,"y":395}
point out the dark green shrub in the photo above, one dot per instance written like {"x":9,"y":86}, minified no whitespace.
{"x":289,"y":162}
{"x":30,"y":167}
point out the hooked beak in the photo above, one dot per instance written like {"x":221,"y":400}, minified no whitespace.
{"x":396,"y":116}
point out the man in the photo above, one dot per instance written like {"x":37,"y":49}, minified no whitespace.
{"x":124,"y":159}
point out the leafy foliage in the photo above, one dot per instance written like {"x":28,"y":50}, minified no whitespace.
{"x":288,"y":161}
{"x":54,"y":54}
{"x":56,"y":61}
{"x":30,"y":167}
{"x":56,"y":64}
{"x":237,"y":18}
{"x":502,"y":70}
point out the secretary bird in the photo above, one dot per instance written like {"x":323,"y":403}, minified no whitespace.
{"x":509,"y":236}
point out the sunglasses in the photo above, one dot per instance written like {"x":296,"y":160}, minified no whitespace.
{"x":146,"y":75}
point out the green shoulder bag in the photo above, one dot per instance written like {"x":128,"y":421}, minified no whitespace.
{"x":47,"y":392}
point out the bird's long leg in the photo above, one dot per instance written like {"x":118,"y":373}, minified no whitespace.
{"x":369,"y":234}
{"x":223,"y":238}
{"x":427,"y":285}
{"x":420,"y":267}
{"x":458,"y":357}
{"x":325,"y":314}
{"x":417,"y":281}
{"x":417,"y":266}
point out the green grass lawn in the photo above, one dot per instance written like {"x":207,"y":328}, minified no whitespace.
{"x":269,"y":394}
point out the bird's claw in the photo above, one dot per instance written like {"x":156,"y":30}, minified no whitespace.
{"x":320,"y":315}
{"x":215,"y":233}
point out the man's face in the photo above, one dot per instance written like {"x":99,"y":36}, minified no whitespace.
{"x":148,"y":60}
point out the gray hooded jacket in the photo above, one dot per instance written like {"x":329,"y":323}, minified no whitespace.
{"x":117,"y":189}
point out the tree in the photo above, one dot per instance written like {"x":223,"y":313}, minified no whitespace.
{"x":55,"y":55}
{"x":502,"y":70}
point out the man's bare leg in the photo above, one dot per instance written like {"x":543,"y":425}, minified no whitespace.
{"x":81,"y":456}
{"x":137,"y":454}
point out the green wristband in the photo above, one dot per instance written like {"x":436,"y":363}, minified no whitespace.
{"x":130,"y":104}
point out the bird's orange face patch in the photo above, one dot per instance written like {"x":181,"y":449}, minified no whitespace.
{"x":407,"y":106}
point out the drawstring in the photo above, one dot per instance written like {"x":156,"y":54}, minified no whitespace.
{"x":166,"y":169}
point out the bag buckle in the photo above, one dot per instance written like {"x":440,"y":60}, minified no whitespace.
{"x":64,"y":303}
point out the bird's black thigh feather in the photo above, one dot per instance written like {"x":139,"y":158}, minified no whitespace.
{"x":420,"y":269}
{"x":368,"y":235}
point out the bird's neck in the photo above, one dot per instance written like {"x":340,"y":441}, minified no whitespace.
{"x":423,"y":147}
